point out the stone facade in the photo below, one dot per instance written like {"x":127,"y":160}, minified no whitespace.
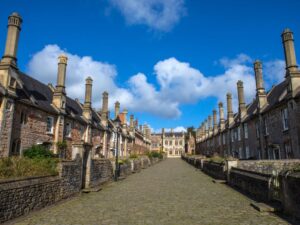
{"x":266,"y":128}
{"x":33,"y":113}
{"x":172,"y":143}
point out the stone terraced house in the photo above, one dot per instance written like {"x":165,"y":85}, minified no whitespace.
{"x":266,"y":128}
{"x":33,"y":113}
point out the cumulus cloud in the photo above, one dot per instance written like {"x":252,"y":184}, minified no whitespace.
{"x":43,"y":66}
{"x":177,"y":83}
{"x":161,"y":15}
{"x":274,"y":71}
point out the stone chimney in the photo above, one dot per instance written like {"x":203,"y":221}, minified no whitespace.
{"x":289,"y":50}
{"x":242,"y":105}
{"x":215,"y":128}
{"x":229,"y":108}
{"x":104,"y":111}
{"x":12,"y":39}
{"x":87,"y":106}
{"x":206,"y":127}
{"x":221,"y":116}
{"x":59,"y":95}
{"x":141,"y":128}
{"x":117,"y":109}
{"x":125,"y":112}
{"x":292,"y":72}
{"x":131,"y":122}
{"x":210,"y":125}
{"x":260,"y":90}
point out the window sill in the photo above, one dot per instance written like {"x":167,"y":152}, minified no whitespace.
{"x":50,"y":133}
{"x":285,"y":130}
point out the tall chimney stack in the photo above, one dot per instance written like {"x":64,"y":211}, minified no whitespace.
{"x":210,"y":125}
{"x":61,"y":73}
{"x":59,"y":95}
{"x":125,"y":112}
{"x":260,"y":89}
{"x":221,"y":115}
{"x":289,"y":50}
{"x":206,"y":128}
{"x":117,"y":109}
{"x":242,"y":105}
{"x":12,"y":39}
{"x":104,"y":111}
{"x":131,"y":123}
{"x":215,"y":129}
{"x":87,"y":106}
{"x":229,"y":108}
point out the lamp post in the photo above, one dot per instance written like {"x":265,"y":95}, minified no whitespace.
{"x":117,"y":168}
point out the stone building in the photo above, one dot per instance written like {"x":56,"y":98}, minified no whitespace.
{"x":190,"y":144}
{"x":33,"y":113}
{"x":266,"y":128}
{"x":171,"y":143}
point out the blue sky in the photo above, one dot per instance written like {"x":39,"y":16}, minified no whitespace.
{"x":168,"y":61}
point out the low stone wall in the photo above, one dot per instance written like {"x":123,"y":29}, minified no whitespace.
{"x":70,"y":173}
{"x":216,"y":170}
{"x":136,"y":165}
{"x":125,"y":169}
{"x":253,"y":183}
{"x":145,"y":162}
{"x":290,"y":197}
{"x":101,"y":172}
{"x":20,"y":196}
{"x":268,"y":166}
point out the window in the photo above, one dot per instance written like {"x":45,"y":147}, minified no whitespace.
{"x":247,"y":152}
{"x":224,"y":138}
{"x":170,"y":152}
{"x":166,"y":142}
{"x":239,"y":133}
{"x":235,"y":134}
{"x":50,"y":124}
{"x":257,"y":129}
{"x":180,"y":142}
{"x":288,"y":150}
{"x":232,"y":136}
{"x":219,"y":139}
{"x":23,"y":119}
{"x":176,"y":142}
{"x":82,"y":134}
{"x":266,"y":126}
{"x":68,"y":130}
{"x":240,"y":153}
{"x":246,"y":130}
{"x":284,"y":114}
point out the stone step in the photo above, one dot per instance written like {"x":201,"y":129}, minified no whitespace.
{"x":217,"y":181}
{"x":88,"y":190}
{"x":263,"y":207}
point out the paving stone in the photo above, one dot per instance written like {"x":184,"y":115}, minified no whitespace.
{"x":170,"y":192}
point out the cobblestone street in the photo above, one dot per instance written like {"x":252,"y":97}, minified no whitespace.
{"x":171,"y":192}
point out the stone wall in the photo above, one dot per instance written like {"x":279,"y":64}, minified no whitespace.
{"x":255,"y":184}
{"x":101,"y":171}
{"x":70,"y":173}
{"x":268,"y":166}
{"x":290,"y":197}
{"x":125,"y":169}
{"x":20,"y":196}
{"x":216,"y":170}
{"x":145,"y":162}
{"x":136,"y":165}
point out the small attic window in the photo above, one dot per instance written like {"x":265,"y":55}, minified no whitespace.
{"x":12,"y":82}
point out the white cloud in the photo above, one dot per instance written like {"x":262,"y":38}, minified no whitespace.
{"x":177,"y":83}
{"x":159,"y":15}
{"x":274,"y":71}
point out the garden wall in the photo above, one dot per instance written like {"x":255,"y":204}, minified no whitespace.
{"x":101,"y":172}
{"x":214,"y":169}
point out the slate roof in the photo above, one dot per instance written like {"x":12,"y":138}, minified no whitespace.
{"x":40,"y":95}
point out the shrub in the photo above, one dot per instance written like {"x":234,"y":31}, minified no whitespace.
{"x":38,"y":151}
{"x":217,"y":159}
{"x":155,"y":154}
{"x":13,"y":167}
{"x":133,"y":156}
